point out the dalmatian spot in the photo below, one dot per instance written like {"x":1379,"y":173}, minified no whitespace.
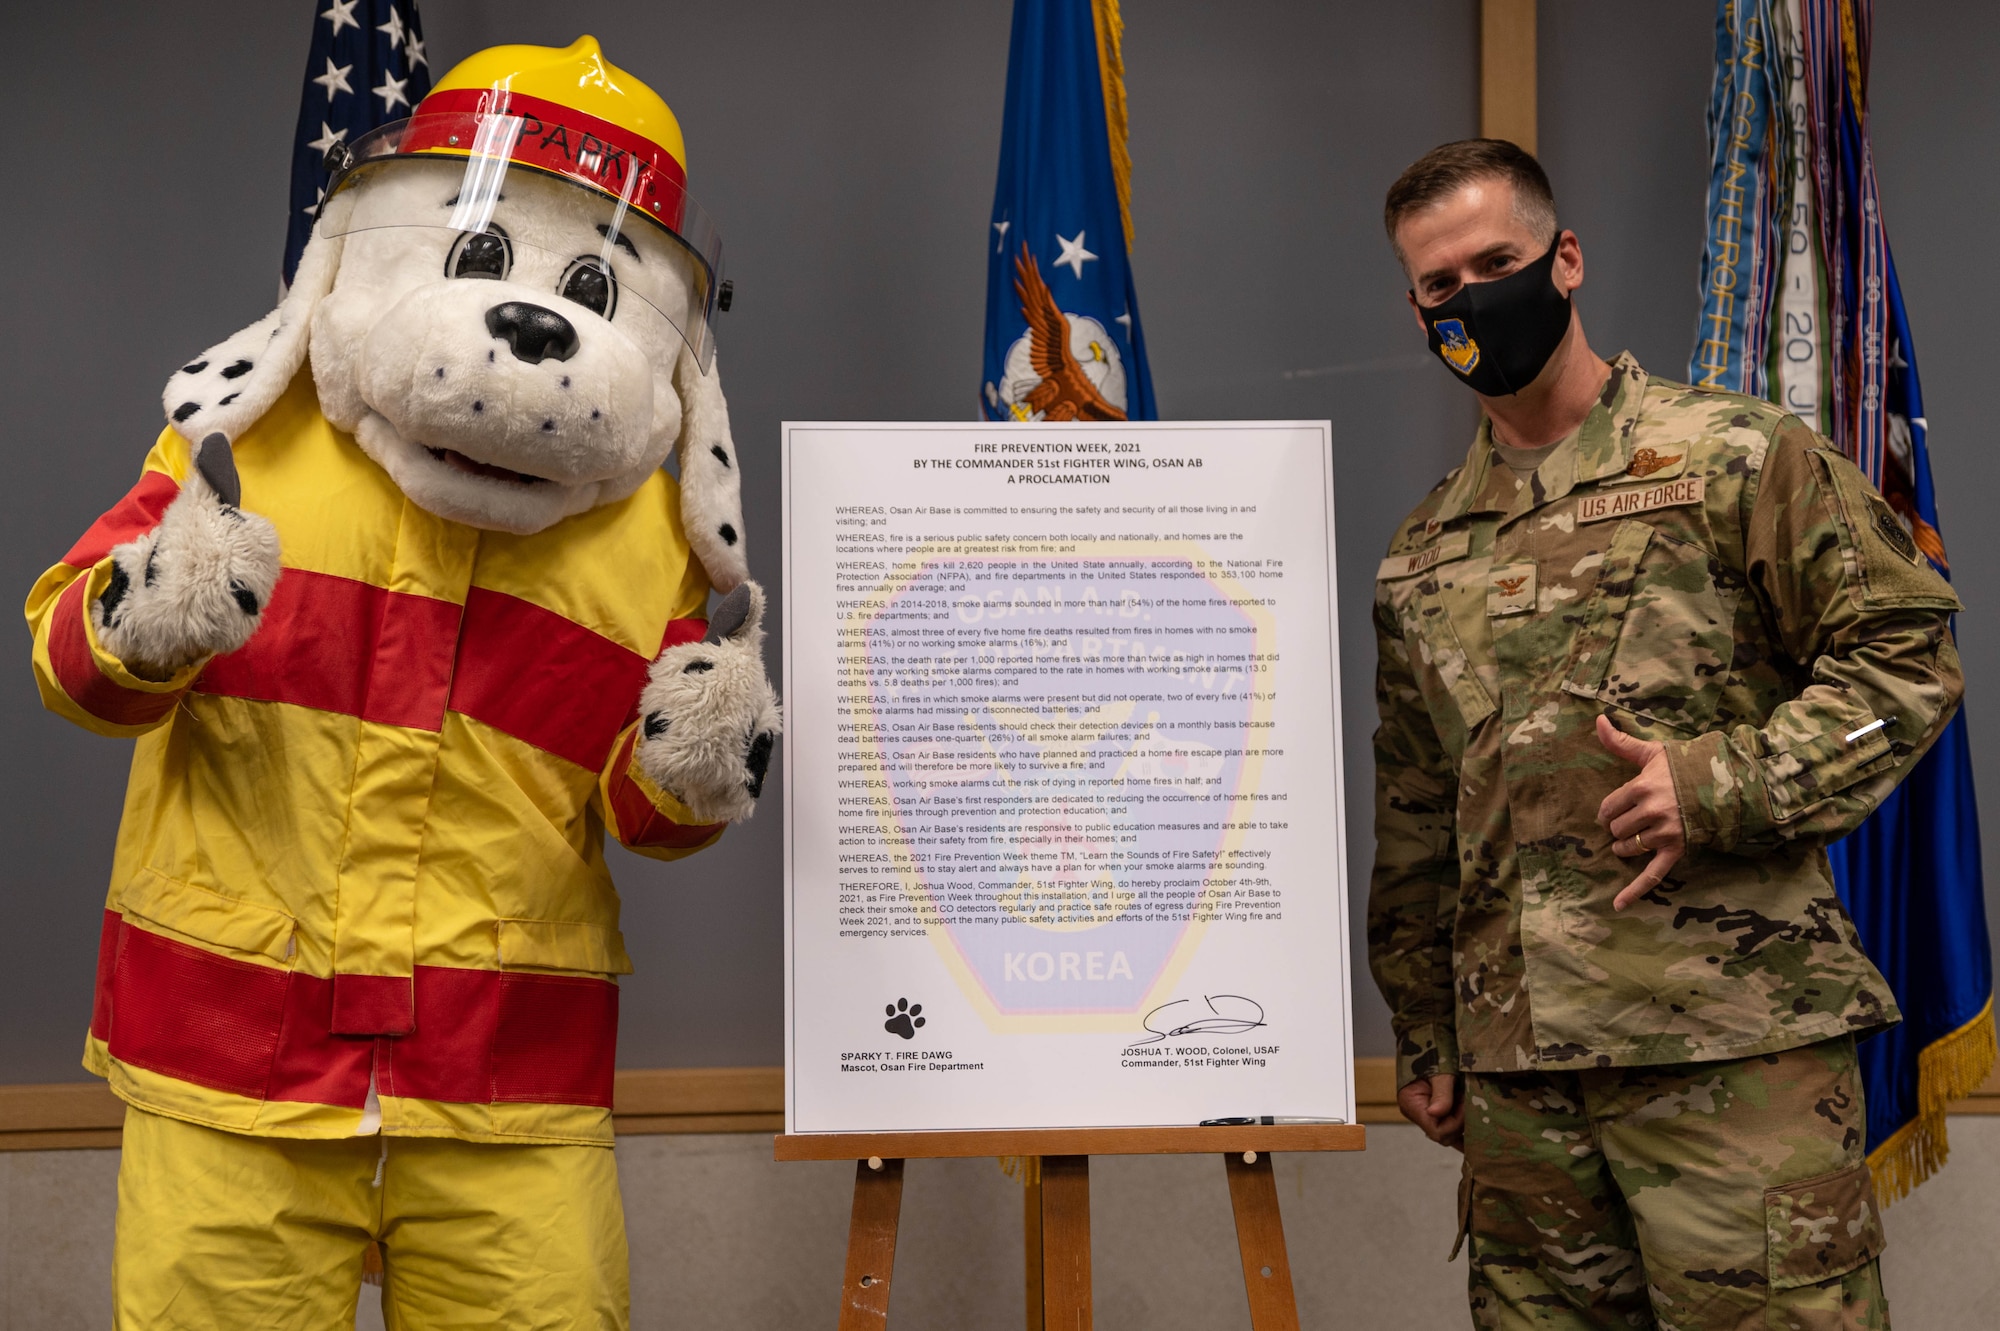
{"x":115,"y":588}
{"x":727,"y":533}
{"x":185,"y":410}
{"x":237,"y":370}
{"x":195,"y":368}
{"x":720,"y":456}
{"x":758,"y":761}
{"x":226,"y":401}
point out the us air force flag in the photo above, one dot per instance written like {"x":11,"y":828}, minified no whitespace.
{"x":1062,"y":319}
{"x":367,"y":68}
{"x":1788,"y":127}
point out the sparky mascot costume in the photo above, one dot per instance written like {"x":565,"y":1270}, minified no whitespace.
{"x":406,"y":613}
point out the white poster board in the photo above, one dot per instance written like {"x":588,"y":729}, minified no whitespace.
{"x":1064,"y":839}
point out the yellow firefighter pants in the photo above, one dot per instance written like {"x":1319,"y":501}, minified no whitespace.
{"x":220,"y":1232}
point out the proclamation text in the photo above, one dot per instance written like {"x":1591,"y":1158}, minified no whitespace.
{"x":1064,"y":827}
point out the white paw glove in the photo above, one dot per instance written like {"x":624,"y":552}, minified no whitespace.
{"x":709,"y":717}
{"x":197,"y":584}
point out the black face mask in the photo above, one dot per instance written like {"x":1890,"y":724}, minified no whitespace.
{"x":1498,"y":335}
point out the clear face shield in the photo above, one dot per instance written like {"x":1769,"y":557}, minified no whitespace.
{"x":516,"y":199}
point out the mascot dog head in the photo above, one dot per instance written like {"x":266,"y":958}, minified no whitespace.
{"x":506,"y":300}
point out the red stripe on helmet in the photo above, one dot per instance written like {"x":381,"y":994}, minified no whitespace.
{"x":558,"y":138}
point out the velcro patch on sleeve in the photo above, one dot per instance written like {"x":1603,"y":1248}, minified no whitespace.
{"x":1625,"y":502}
{"x":1455,"y":546}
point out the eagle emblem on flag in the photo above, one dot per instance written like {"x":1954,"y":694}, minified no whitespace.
{"x":1066,"y":367}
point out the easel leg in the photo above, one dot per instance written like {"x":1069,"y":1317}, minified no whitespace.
{"x":871,"y":1246}
{"x":1065,"y":1226}
{"x":1031,"y":1237}
{"x":1260,"y":1238}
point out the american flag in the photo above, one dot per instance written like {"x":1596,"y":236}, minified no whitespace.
{"x":367,"y":68}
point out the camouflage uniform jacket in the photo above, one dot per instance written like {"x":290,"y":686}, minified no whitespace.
{"x":1711,"y":574}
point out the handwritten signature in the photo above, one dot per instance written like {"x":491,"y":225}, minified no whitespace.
{"x":1235,"y":1020}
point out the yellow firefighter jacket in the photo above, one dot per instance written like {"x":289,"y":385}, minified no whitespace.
{"x":361,"y":863}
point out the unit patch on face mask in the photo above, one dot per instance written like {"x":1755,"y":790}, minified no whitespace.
{"x":1641,"y":499}
{"x":1511,"y":590}
{"x":1454,"y":546}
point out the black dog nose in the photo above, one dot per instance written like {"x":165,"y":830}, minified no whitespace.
{"x":534,"y":334}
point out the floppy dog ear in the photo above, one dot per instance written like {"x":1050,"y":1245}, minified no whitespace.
{"x":711,"y":489}
{"x":229,"y":387}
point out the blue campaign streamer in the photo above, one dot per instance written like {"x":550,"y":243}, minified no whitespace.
{"x":1739,"y":259}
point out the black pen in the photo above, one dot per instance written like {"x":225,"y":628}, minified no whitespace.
{"x":1263,"y":1120}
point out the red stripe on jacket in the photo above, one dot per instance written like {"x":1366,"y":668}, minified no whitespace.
{"x":544,"y":679}
{"x":139,"y":511}
{"x":87,"y":686}
{"x":481,"y":1037}
{"x":340,"y":645}
{"x":642,"y":824}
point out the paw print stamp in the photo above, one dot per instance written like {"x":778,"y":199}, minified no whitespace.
{"x":904,"y":1018}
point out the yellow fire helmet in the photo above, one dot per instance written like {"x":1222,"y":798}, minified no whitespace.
{"x":561,"y":114}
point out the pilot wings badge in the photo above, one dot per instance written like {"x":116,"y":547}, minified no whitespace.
{"x":1066,"y":367}
{"x":1459,"y":350}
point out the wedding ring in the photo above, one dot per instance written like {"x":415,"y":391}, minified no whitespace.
{"x":1639,"y":840}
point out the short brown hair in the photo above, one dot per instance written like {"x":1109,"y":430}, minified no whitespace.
{"x":1450,"y":167}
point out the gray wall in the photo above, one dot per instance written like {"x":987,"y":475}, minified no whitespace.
{"x":848,"y":153}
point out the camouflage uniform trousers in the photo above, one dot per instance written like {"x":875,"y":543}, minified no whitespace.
{"x":1690,"y":1197}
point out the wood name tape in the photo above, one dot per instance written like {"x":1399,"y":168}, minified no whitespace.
{"x":1641,"y":499}
{"x":1454,"y":546}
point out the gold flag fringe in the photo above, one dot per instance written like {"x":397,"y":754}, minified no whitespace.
{"x":1111,"y":73}
{"x":1026,"y":1168}
{"x":1948,"y":1069}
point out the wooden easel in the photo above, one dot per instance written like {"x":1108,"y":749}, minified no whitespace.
{"x":1057,"y":1208}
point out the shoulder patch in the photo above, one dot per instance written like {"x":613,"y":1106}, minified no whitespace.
{"x":1892,"y":529}
{"x":1886,"y":565}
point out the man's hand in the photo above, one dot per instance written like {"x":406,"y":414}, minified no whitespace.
{"x":1643,"y":815}
{"x":1434,"y":1104}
